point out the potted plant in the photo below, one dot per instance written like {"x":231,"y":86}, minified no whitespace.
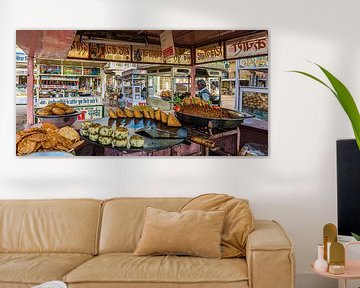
{"x":346,"y":100}
{"x":344,"y":97}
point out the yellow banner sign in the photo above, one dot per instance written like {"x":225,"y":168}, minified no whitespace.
{"x":79,"y":50}
{"x":117,"y":52}
{"x":209,"y":53}
{"x":182,"y":56}
{"x":151,"y":54}
{"x":240,"y":47}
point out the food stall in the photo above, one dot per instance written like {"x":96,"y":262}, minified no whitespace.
{"x":166,"y":81}
{"x":208,"y":129}
{"x":77,"y":84}
{"x":212,"y":79}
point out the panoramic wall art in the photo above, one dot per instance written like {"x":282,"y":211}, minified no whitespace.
{"x":142,"y":93}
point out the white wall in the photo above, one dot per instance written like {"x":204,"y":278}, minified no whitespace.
{"x":295,"y":185}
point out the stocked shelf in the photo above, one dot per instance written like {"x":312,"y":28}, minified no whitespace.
{"x":66,"y":81}
{"x":134,"y":87}
{"x":69,"y":75}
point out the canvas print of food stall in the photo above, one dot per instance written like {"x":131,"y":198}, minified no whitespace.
{"x":142,"y":93}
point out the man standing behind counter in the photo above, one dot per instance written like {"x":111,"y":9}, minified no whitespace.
{"x":203,"y":93}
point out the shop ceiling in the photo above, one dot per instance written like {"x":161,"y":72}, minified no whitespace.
{"x":142,"y":46}
{"x":48,"y":44}
{"x":182,"y":38}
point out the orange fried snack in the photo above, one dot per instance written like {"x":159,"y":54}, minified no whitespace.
{"x":164,"y":117}
{"x":173,"y":121}
{"x":129,"y":113}
{"x":158,"y":114}
{"x":138,"y":114}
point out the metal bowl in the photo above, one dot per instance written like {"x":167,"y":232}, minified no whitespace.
{"x":221,"y":123}
{"x":60,"y":120}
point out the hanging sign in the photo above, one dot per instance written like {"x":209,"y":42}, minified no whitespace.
{"x":254,"y":62}
{"x":182,"y":56}
{"x":150,"y":54}
{"x":209,"y":53}
{"x":90,"y":112}
{"x":110,"y":52}
{"x":167,"y":44}
{"x":97,"y":51}
{"x":117,"y":52}
{"x":73,"y":101}
{"x":245,"y":47}
{"x":79,"y":49}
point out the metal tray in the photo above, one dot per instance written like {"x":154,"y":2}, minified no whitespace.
{"x":221,"y":123}
{"x":134,"y":125}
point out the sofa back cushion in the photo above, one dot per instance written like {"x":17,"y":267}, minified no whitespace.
{"x":123,"y":220}
{"x":66,"y":226}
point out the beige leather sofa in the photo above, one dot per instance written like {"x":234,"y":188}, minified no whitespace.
{"x":89,"y":243}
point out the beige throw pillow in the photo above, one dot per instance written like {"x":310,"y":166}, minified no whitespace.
{"x":238,"y":223}
{"x":196,"y":233}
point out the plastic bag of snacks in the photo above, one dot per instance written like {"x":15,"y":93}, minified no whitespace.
{"x":254,"y":149}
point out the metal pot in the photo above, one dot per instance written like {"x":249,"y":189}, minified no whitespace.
{"x":222,"y":123}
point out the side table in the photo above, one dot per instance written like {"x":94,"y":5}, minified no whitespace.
{"x":352,"y":269}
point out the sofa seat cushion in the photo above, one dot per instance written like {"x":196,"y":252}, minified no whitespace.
{"x":36,"y":268}
{"x":144,"y":270}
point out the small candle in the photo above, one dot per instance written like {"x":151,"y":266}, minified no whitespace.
{"x":336,"y":269}
{"x":328,"y":252}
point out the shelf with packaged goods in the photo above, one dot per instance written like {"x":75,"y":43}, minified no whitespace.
{"x":70,"y":75}
{"x":59,"y":87}
{"x":59,"y":79}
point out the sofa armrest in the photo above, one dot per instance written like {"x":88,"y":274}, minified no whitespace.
{"x":269,"y":256}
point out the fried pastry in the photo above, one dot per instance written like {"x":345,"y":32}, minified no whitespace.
{"x":137,"y":141}
{"x":129,"y":113}
{"x":152,"y":113}
{"x":120,"y":113}
{"x":164,"y":117}
{"x":58,"y":111}
{"x":158,"y":114}
{"x":121,"y":133}
{"x":112,"y":114}
{"x":147,"y":114}
{"x":173,"y":121}
{"x":138,"y":114}
{"x":105,"y":131}
{"x":120,"y":143}
{"x":69,"y":133}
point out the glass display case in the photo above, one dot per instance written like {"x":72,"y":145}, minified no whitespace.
{"x":255,"y":102}
{"x":167,"y":82}
{"x":253,"y":94}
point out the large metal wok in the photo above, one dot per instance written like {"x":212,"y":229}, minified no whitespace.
{"x":221,"y":123}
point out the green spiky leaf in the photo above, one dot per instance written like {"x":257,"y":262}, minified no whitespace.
{"x":344,"y":97}
{"x":356,"y":236}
